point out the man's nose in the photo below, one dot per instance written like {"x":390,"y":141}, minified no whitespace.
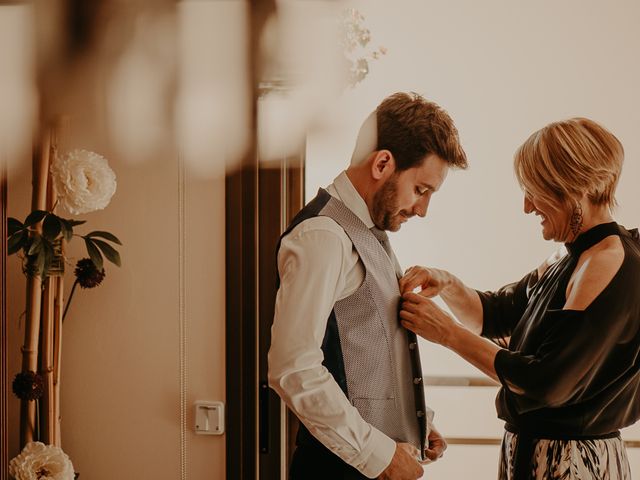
{"x":421,"y":207}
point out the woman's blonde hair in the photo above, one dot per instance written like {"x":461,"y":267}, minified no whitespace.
{"x":565,"y":160}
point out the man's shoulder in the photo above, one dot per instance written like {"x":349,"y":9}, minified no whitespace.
{"x":317,"y":226}
{"x":319,"y":240}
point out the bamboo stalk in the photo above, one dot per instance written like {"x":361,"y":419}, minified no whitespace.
{"x":47,"y":414}
{"x":29,"y":356}
{"x":57,"y":356}
{"x":40,"y":168}
{"x":58,"y":303}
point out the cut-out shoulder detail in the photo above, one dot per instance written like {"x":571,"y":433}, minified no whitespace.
{"x":595,"y":270}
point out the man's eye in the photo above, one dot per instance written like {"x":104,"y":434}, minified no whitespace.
{"x":421,"y":192}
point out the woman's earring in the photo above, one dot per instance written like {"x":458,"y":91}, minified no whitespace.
{"x":576,"y":219}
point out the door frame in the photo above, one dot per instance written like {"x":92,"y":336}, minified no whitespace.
{"x":261,"y":200}
{"x":4,"y":341}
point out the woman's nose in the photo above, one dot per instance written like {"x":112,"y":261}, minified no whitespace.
{"x":528,"y":205}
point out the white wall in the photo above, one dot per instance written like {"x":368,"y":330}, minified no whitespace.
{"x":502,"y":70}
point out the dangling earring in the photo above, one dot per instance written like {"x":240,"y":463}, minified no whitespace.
{"x":576,"y":219}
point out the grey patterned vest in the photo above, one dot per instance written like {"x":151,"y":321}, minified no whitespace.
{"x":373,"y":359}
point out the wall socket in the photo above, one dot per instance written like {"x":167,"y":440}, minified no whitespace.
{"x":209,"y":417}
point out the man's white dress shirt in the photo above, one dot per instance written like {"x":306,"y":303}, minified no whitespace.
{"x":318,"y":266}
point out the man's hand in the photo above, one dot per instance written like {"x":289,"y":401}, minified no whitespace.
{"x":437,"y":446}
{"x":404,"y":464}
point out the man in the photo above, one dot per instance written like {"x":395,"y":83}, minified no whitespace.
{"x":339,"y":357}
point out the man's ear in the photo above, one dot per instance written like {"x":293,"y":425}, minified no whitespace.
{"x":383,"y":165}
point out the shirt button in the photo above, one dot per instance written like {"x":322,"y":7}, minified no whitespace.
{"x":420,"y":413}
{"x":417,"y":380}
{"x":412,"y":346}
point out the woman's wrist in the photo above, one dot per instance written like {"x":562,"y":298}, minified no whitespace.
{"x":455,"y":337}
{"x":449,"y":284}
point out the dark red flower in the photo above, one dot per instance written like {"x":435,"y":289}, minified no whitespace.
{"x":87,"y":274}
{"x":28,"y":385}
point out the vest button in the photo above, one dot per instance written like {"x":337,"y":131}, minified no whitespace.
{"x":420,"y":413}
{"x":417,"y":380}
{"x":412,"y":346}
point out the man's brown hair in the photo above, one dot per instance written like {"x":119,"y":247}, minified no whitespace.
{"x":411,"y":127}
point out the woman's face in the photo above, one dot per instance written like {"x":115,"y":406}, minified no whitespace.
{"x":555,"y":220}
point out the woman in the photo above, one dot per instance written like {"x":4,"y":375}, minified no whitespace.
{"x":564,"y":341}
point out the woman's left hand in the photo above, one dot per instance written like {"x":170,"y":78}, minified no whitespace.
{"x":422,"y":316}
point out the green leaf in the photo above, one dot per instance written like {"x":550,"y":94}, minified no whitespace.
{"x":51,"y":227}
{"x":16,"y":242}
{"x":34,"y":217}
{"x":94,"y":253}
{"x":36,"y":245}
{"x":13,"y":225}
{"x":73,"y":223}
{"x":105,"y":235}
{"x":67,"y":229}
{"x":112,"y":255}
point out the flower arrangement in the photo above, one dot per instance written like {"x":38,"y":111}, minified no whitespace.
{"x":38,"y":461}
{"x":80,"y":182}
{"x":355,"y":41}
{"x":84,"y":183}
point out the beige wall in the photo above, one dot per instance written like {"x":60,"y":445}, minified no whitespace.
{"x":139,"y":350}
{"x":123,"y":366}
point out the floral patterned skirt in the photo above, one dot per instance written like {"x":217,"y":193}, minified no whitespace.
{"x":598,"y":459}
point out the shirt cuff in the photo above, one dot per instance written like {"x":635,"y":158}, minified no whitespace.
{"x":379,"y":454}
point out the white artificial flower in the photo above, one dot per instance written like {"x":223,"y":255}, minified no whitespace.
{"x":83,"y":180}
{"x":38,"y":461}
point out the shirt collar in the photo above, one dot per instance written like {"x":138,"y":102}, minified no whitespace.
{"x":344,"y":190}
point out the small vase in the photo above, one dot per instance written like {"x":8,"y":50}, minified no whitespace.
{"x":56,"y":267}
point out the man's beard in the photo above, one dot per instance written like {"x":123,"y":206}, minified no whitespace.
{"x":385,"y":204}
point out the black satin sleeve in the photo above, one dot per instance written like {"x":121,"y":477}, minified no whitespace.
{"x":502,"y":309}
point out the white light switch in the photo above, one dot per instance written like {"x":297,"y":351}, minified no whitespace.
{"x":209,"y":417}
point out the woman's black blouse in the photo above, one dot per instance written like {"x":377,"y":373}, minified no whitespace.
{"x":579,"y":371}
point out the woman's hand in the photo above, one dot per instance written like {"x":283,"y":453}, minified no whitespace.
{"x":422,"y":316}
{"x":431,"y":280}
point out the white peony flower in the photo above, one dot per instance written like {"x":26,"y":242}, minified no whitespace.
{"x":38,"y":461}
{"x":83,"y":180}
